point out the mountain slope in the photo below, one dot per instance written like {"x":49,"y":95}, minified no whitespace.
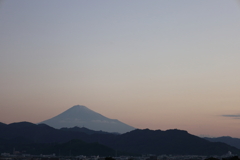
{"x":81,"y":116}
{"x":235,"y":142}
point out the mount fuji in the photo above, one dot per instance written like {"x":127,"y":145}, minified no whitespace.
{"x":81,"y":116}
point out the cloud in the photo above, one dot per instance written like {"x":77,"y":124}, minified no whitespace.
{"x":235,"y":116}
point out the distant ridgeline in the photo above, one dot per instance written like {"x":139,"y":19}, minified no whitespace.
{"x":226,"y":139}
{"x":29,"y":138}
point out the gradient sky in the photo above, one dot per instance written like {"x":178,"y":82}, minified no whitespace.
{"x":151,"y":64}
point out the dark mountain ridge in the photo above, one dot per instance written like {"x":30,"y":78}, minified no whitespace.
{"x":72,"y":148}
{"x":168,"y":142}
{"x":85,"y":130}
{"x":175,"y":142}
{"x":40,"y":133}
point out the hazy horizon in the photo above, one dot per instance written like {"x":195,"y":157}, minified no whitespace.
{"x":150,"y":64}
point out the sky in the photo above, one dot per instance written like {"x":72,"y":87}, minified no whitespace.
{"x":150,"y":64}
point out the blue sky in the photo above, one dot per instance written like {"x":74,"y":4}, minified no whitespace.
{"x":150,"y":64}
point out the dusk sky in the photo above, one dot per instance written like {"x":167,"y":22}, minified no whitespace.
{"x":156,"y":64}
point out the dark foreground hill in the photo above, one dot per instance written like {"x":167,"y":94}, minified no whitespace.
{"x":168,"y":142}
{"x":72,"y":148}
{"x":86,"y":130}
{"x":25,"y":135}
{"x":41,"y":133}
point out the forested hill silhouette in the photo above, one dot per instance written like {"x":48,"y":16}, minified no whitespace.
{"x":82,"y":116}
{"x":137,"y":141}
{"x":86,"y":130}
{"x":168,"y":142}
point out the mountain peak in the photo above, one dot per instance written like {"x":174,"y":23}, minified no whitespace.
{"x":78,"y":106}
{"x":81,"y":116}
